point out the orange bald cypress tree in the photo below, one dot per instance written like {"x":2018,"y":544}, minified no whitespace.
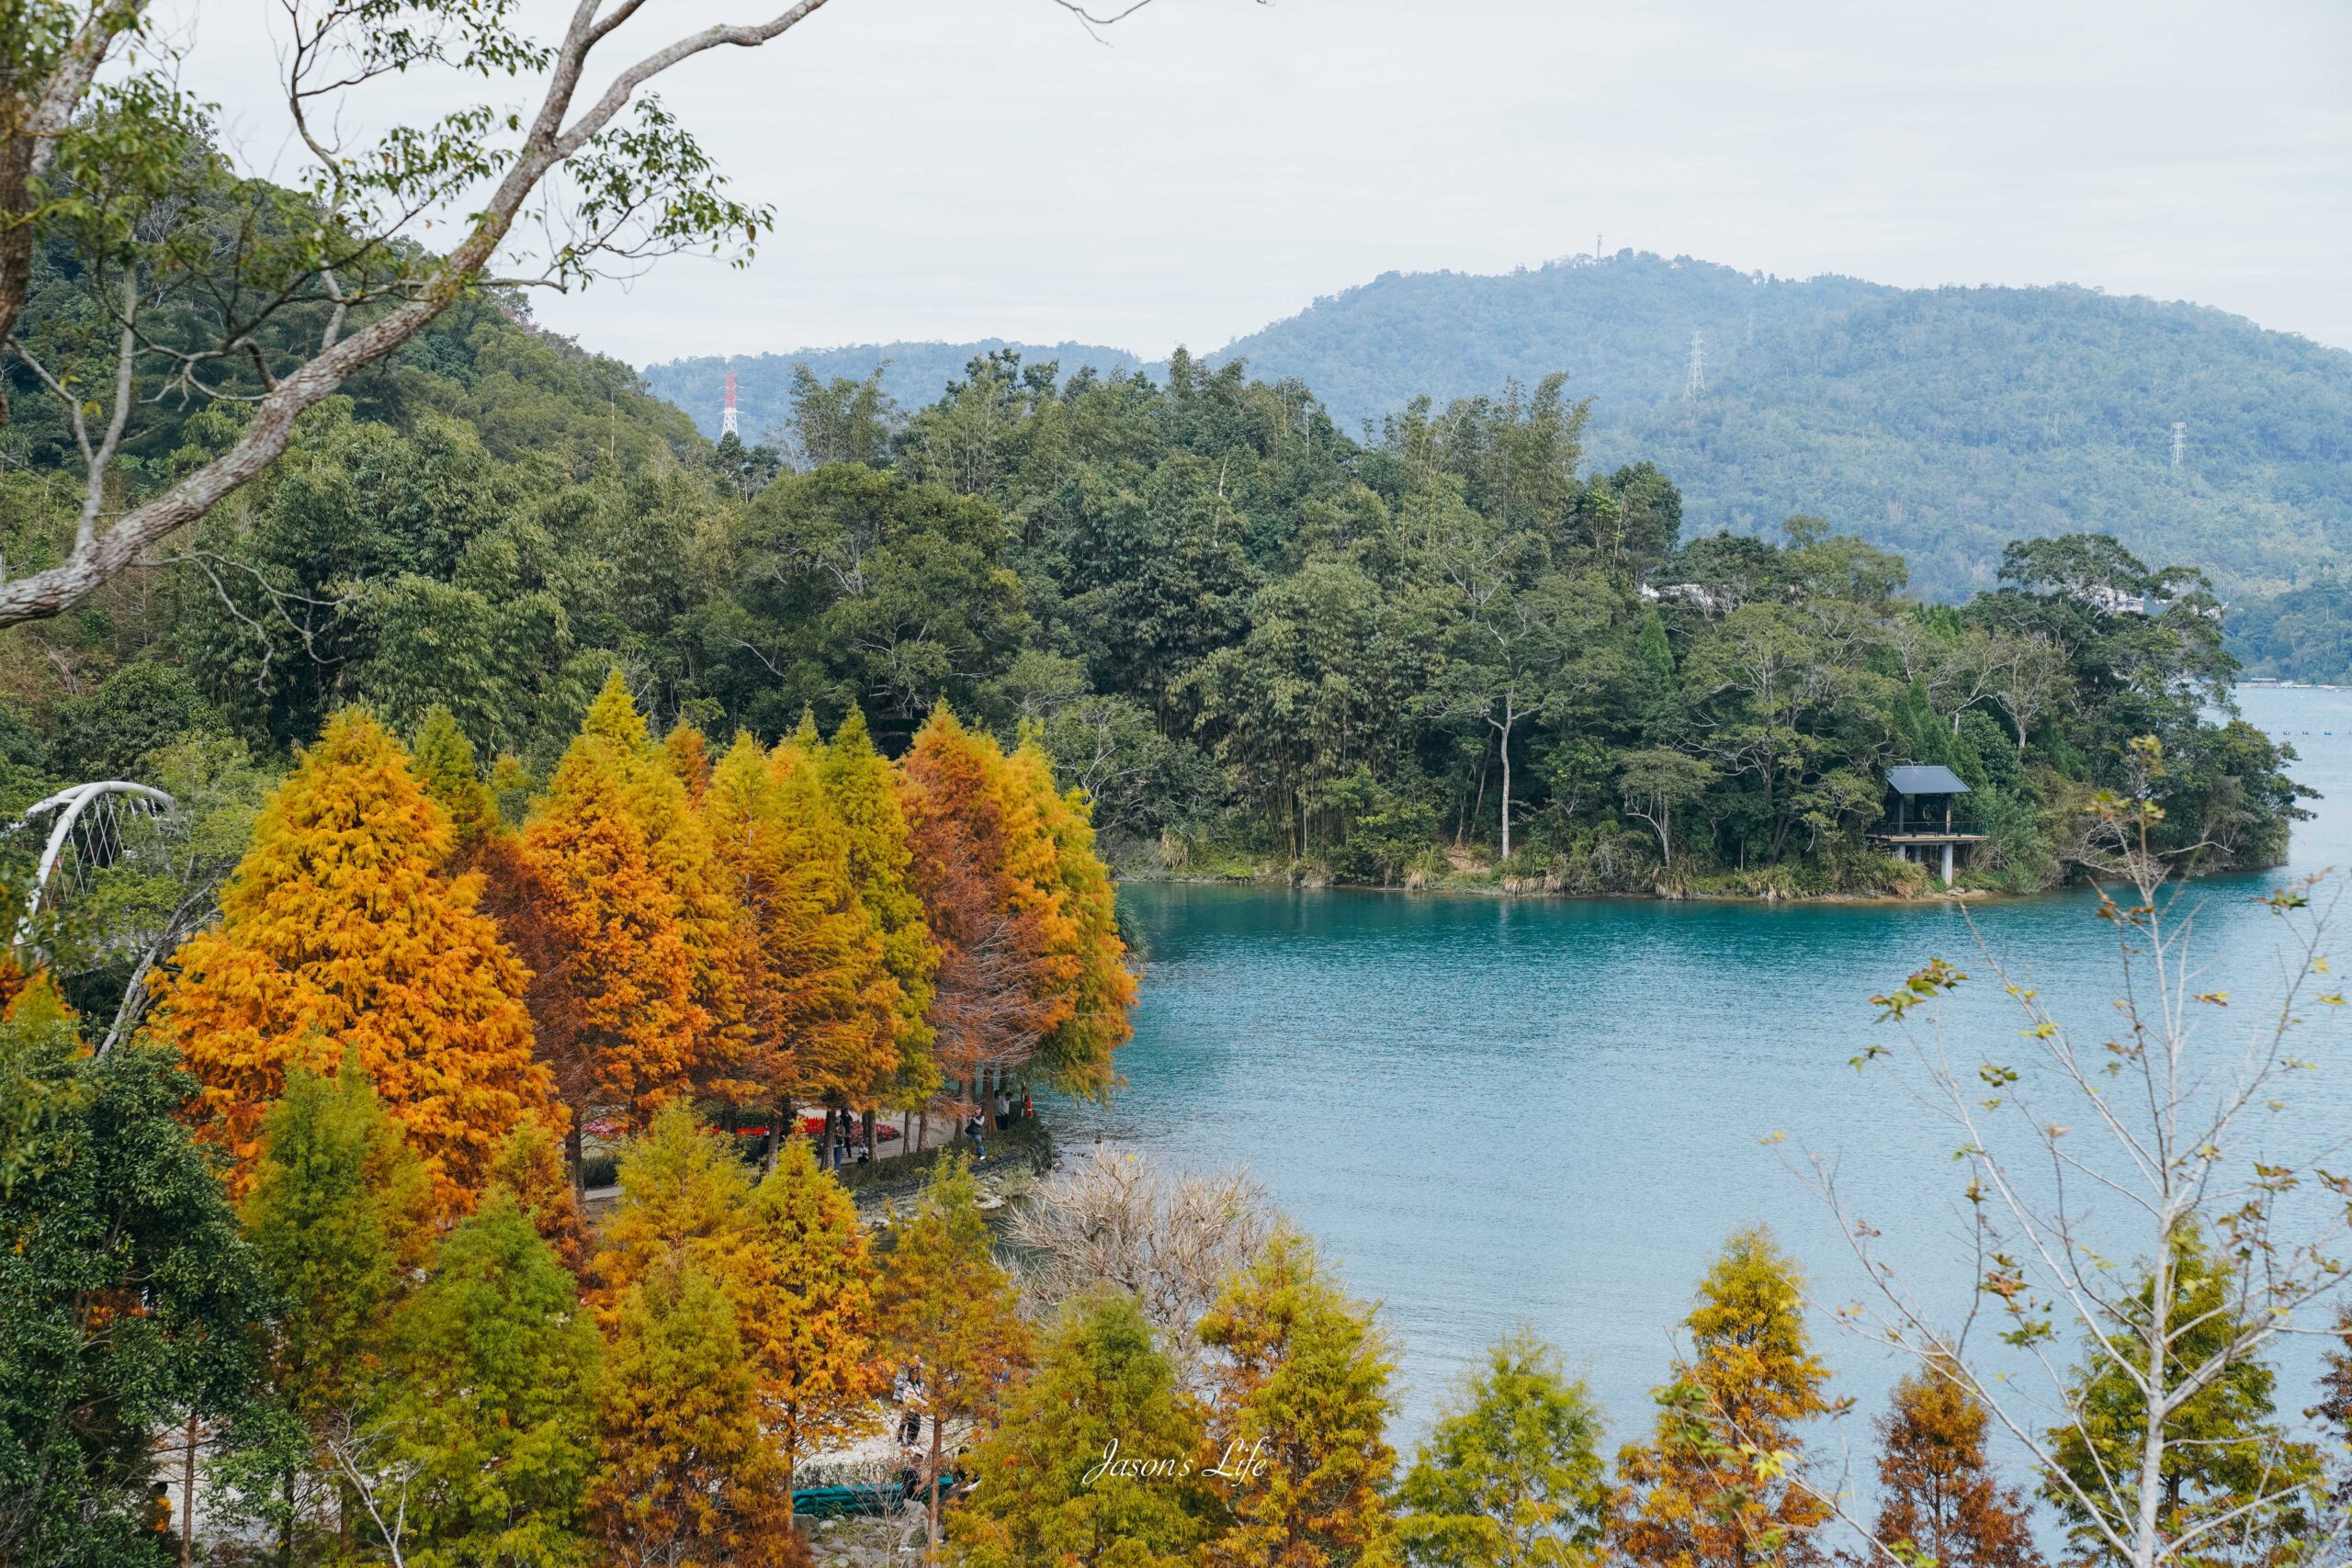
{"x":530,"y":1167}
{"x":990,"y":879}
{"x":613,"y":984}
{"x":1075,"y":1055}
{"x":1939,"y":1495}
{"x":341,"y":932}
{"x":660,"y":784}
{"x":862,"y":788}
{"x":685,"y":751}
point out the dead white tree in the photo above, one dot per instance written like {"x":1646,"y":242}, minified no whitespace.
{"x":1118,"y":1222}
{"x":381,"y":1485}
{"x":2027,"y":682}
{"x":2152,"y":1140}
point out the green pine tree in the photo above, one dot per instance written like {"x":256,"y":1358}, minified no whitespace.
{"x":1094,"y":1464}
{"x":2225,"y":1457}
{"x":337,"y":1215}
{"x":444,"y":761}
{"x":1513,"y":1477}
{"x":494,"y":1418}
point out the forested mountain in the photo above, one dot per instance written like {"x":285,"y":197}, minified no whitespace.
{"x":1451,"y":649}
{"x":1938,"y":423}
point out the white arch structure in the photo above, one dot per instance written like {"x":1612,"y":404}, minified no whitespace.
{"x":85,"y":836}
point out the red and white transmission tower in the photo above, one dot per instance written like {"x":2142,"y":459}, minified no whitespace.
{"x":727,"y":426}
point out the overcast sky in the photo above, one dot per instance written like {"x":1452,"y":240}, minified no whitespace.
{"x":966,"y":168}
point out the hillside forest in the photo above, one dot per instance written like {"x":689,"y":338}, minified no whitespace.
{"x":1938,"y":424}
{"x":1450,"y":651}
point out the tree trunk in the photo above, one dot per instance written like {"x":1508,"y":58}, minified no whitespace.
{"x":1510,"y":718}
{"x":1478,"y":801}
{"x":931,"y":1508}
{"x":188,"y":1495}
{"x":574,"y":1155}
{"x":2146,"y":1536}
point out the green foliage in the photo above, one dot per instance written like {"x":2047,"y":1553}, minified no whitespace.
{"x":2232,"y":1472}
{"x":132,"y":1299}
{"x":1827,"y":392}
{"x":1094,"y":1462}
{"x":1841,"y":395}
{"x":860,"y":586}
{"x":2301,"y":633}
{"x":38,"y":1088}
{"x":492,"y":1413}
{"x":1513,"y":1477}
{"x":1454,"y":648}
{"x":108,"y":733}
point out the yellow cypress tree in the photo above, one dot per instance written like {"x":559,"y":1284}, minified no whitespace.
{"x":686,"y":1478}
{"x":1713,"y":1490}
{"x":1075,"y":1055}
{"x":809,"y":1317}
{"x":340,"y":931}
{"x":861,"y":788}
{"x":1296,"y":1450}
{"x":820,"y":1004}
{"x":951,"y":1316}
{"x":787,"y":1255}
{"x":856,"y":1056}
{"x":684,"y":1197}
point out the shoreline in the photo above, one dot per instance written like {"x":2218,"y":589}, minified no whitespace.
{"x":1496,"y":890}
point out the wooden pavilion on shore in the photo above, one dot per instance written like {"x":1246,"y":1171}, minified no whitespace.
{"x":1923,"y":815}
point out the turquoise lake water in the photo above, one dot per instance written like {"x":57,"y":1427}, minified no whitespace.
{"x":1495,"y":1110}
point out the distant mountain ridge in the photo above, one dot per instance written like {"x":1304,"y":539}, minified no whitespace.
{"x":1940,"y":423}
{"x":912,"y":373}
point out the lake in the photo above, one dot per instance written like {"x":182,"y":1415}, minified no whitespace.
{"x":1491,"y":1111}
